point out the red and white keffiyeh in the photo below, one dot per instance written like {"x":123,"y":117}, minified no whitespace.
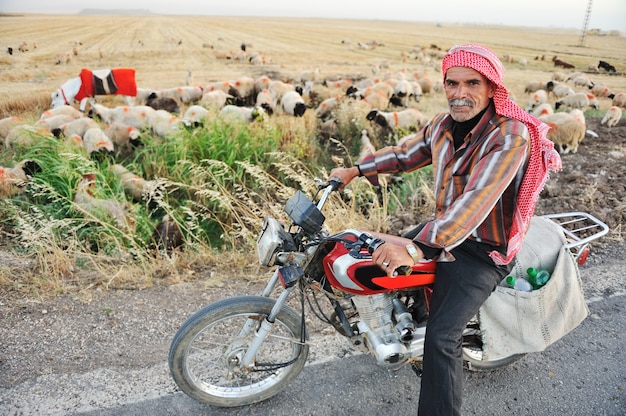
{"x":543,"y":156}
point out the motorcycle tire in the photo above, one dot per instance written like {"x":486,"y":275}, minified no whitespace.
{"x":205,"y":352}
{"x":473,"y":356}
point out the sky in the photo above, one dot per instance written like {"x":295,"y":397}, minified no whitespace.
{"x":605,"y":14}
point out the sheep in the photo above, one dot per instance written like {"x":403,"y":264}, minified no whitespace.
{"x":619,"y":100}
{"x":376,"y":100}
{"x":245,"y":89}
{"x":583,"y":81}
{"x":558,"y":89}
{"x":134,"y":185}
{"x":223,"y":86}
{"x":310,"y":75}
{"x":561,"y":63}
{"x":606,"y":66}
{"x":103,"y":209}
{"x":402,"y":91}
{"x":95,"y":140}
{"x":542,"y":110}
{"x":409,"y":118}
{"x":167,"y":235}
{"x":558,"y":76}
{"x":533,"y":86}
{"x":578,"y":100}
{"x":163,"y":103}
{"x":67,"y":110}
{"x":537,"y":98}
{"x":75,"y":127}
{"x":566,"y":131}
{"x":340,"y":84}
{"x":124,"y":137}
{"x":612,"y":116}
{"x":25,"y":135}
{"x":601,"y":90}
{"x":195,"y":115}
{"x":14,"y":180}
{"x":292,"y":103}
{"x":216,"y":99}
{"x":54,"y":122}
{"x":136,"y":116}
{"x":248,"y":114}
{"x":264,"y":99}
{"x":185,"y":94}
{"x":162,"y":122}
{"x":279,"y":89}
{"x":593,"y":68}
{"x":8,"y":123}
{"x":326,"y":107}
{"x":262,"y":83}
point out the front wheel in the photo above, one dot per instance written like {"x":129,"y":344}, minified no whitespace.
{"x":473,"y":356}
{"x":205,"y":352}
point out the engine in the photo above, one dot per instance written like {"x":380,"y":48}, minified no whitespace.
{"x":388,"y":329}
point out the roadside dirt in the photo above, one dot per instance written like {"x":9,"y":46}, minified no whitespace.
{"x":133,"y":328}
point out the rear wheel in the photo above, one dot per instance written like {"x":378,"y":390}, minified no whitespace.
{"x":473,"y":356}
{"x":206,"y":351}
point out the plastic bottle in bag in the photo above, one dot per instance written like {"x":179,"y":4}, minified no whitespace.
{"x":519,"y":284}
{"x":537,"y":278}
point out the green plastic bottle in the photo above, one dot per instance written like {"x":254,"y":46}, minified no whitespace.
{"x":537,"y":278}
{"x":519,"y":284}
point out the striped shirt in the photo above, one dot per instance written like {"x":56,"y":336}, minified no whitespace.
{"x":476,"y":186}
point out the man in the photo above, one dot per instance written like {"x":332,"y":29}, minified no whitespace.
{"x":490,"y":161}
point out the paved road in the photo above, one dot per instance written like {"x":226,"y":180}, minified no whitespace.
{"x":582,"y":374}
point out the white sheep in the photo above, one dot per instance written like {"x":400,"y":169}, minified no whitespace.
{"x":8,"y":123}
{"x":376,"y":100}
{"x":247,"y":114}
{"x":162,"y":122}
{"x":293,"y":104}
{"x":533,"y":86}
{"x":245,"y":89}
{"x":95,"y":140}
{"x":311,"y":75}
{"x":108,"y":209}
{"x":67,"y":110}
{"x":566,"y":131}
{"x":195,"y":115}
{"x":185,"y":94}
{"x":403,"y":90}
{"x":583,"y":81}
{"x":262,"y":83}
{"x":134,"y":185}
{"x":14,"y":180}
{"x":26,"y":135}
{"x":223,"y":86}
{"x":558,"y":89}
{"x":264,"y":99}
{"x":326,"y":107}
{"x":619,"y":100}
{"x":601,"y":90}
{"x":54,"y":122}
{"x":579,"y":100}
{"x":542,"y":110}
{"x":279,"y":89}
{"x":216,"y":99}
{"x":612,"y":116}
{"x":409,"y":118}
{"x":124,"y":137}
{"x":536,"y":99}
{"x":76,"y":127}
{"x":136,"y":116}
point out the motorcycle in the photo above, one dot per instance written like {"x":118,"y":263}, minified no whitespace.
{"x":246,"y":349}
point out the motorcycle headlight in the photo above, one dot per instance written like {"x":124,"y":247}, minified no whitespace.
{"x":270,"y":242}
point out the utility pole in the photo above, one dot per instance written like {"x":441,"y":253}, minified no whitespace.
{"x":585,"y":24}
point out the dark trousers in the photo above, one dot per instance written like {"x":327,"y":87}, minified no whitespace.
{"x":460,"y":288}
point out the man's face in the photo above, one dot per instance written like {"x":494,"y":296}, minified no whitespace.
{"x":468,"y":92}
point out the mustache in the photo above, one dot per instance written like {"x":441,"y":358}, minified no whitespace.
{"x":459,"y":102}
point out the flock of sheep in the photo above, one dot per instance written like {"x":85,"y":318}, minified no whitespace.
{"x":388,"y":102}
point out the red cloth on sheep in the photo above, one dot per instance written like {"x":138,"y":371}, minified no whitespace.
{"x":543,"y":157}
{"x":119,"y":81}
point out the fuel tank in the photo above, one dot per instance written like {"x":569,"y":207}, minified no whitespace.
{"x":357,"y":274}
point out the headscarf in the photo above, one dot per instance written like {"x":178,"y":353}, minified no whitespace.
{"x":543,"y":157}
